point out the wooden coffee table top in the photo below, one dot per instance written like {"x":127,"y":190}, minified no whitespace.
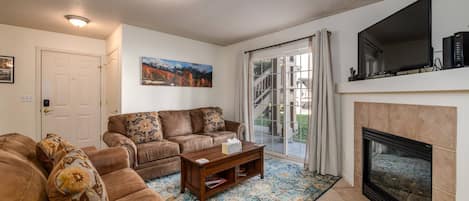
{"x":215,"y":154}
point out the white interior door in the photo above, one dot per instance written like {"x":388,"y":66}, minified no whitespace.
{"x":71,"y":83}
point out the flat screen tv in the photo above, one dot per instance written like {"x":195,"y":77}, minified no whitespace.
{"x":400,"y":42}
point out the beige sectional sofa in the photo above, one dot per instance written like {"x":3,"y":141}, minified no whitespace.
{"x":183,"y":131}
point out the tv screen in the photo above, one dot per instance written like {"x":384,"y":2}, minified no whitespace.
{"x":400,"y":42}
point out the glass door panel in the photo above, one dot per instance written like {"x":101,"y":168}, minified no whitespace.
{"x":298,"y":79}
{"x":281,"y":103}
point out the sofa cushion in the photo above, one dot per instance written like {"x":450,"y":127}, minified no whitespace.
{"x":189,"y":143}
{"x":213,"y":119}
{"x":220,"y":136}
{"x":176,"y":123}
{"x":197,"y":119}
{"x":20,"y":179}
{"x":153,"y":151}
{"x":109,"y":159}
{"x":116,"y":124}
{"x":51,"y":149}
{"x":122,"y":183}
{"x":75,"y":178}
{"x":18,"y":144}
{"x":159,"y":168}
{"x":23,"y":147}
{"x":143,"y":127}
{"x":143,"y":195}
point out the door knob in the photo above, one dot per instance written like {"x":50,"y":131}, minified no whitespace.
{"x":46,"y":110}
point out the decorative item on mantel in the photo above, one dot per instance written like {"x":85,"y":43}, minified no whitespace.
{"x":353,"y":74}
{"x":7,"y":69}
{"x":231,"y":146}
{"x":165,"y":72}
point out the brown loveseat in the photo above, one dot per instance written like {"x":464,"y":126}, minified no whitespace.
{"x":183,"y":131}
{"x":25,"y":178}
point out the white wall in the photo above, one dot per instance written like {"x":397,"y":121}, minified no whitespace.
{"x":18,"y":116}
{"x":448,"y":17}
{"x":138,"y":42}
{"x":114,"y":41}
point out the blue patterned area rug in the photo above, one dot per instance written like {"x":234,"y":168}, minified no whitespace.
{"x":283,"y":180}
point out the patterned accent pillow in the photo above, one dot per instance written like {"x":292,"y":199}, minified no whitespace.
{"x":144,"y":127}
{"x":74,"y":178}
{"x":213,"y":119}
{"x":51,"y":149}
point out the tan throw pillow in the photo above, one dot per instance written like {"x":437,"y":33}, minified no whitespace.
{"x":213,"y":120}
{"x":75,"y":178}
{"x":144,"y":127}
{"x":50,"y":150}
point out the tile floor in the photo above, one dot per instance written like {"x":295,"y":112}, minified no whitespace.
{"x":342,"y":191}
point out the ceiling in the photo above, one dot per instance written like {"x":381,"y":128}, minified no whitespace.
{"x":220,"y":22}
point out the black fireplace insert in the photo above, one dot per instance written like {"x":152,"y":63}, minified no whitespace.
{"x":396,"y":168}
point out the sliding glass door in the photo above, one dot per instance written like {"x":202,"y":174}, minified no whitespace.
{"x":281,"y":99}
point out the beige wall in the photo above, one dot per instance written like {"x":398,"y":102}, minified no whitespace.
{"x":16,"y":115}
{"x":114,"y":41}
{"x":138,"y":42}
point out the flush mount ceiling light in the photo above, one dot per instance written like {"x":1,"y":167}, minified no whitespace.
{"x":77,"y":21}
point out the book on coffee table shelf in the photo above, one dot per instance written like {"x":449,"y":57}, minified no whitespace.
{"x":242,"y":172}
{"x":213,"y":181}
{"x":202,"y":161}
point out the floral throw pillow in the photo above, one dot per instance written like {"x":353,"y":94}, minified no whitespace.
{"x":50,"y":150}
{"x":213,"y":120}
{"x":75,"y":178}
{"x":144,"y":127}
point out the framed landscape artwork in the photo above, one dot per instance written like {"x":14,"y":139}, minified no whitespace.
{"x":165,"y":72}
{"x":7,"y":69}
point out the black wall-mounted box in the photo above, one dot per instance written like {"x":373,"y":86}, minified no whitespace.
{"x":461,"y":49}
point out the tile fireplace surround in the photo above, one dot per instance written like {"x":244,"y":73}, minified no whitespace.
{"x":435,"y":125}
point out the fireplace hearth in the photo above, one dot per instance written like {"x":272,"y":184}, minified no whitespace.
{"x":396,"y":168}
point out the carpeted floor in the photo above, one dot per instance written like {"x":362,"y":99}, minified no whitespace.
{"x":283,"y":181}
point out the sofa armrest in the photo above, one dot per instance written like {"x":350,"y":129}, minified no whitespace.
{"x":89,"y":150}
{"x":110,"y":159}
{"x":236,"y":127}
{"x":119,"y":140}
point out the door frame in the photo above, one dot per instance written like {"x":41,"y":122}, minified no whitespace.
{"x":287,"y":53}
{"x":119,"y":69}
{"x":38,"y":88}
{"x":105,"y":64}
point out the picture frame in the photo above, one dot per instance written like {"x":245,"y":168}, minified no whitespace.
{"x":7,"y":69}
{"x":167,"y":72}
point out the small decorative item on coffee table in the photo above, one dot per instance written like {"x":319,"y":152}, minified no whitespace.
{"x":231,"y":146}
{"x":222,"y":171}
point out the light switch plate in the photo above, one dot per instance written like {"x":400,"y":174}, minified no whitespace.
{"x":26,"y":99}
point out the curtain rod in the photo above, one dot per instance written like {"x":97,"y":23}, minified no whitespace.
{"x":284,"y":43}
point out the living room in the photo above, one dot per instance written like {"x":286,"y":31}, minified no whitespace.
{"x":232,"y":64}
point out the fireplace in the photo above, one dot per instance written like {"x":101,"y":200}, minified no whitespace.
{"x":396,"y":168}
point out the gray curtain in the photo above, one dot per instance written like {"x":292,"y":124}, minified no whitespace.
{"x":244,"y":95}
{"x":322,"y":145}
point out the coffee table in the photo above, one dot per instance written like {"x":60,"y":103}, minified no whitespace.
{"x":193,"y":174}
